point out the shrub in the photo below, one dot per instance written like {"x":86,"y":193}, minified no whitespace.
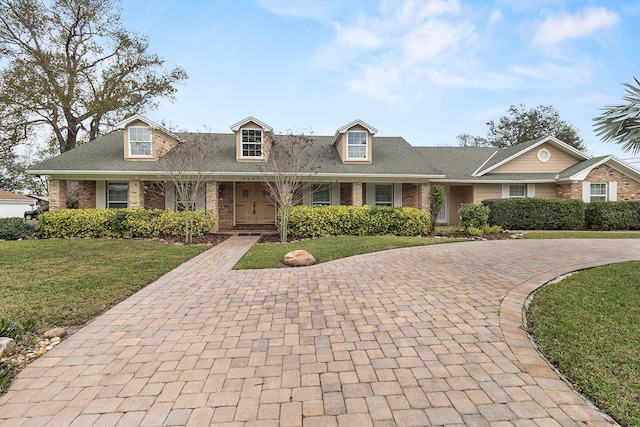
{"x":536,"y":213}
{"x":623,"y":215}
{"x":320,"y":221}
{"x":132,"y":222}
{"x":473,"y":215}
{"x":15,"y":228}
{"x":436,"y":200}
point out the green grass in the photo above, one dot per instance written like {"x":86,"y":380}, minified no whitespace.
{"x":270,"y":255}
{"x":68,"y":282}
{"x":582,"y":235}
{"x":589,"y":326}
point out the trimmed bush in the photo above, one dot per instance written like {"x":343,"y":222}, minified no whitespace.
{"x":320,"y":221}
{"x":15,"y":228}
{"x":473,"y":215}
{"x":133,"y":222}
{"x":623,"y":215}
{"x":536,"y":213}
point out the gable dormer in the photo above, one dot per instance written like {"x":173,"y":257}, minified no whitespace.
{"x":146,"y":140}
{"x":354,"y":142}
{"x":251,"y":137}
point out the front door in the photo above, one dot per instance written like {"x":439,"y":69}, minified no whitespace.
{"x":253,"y":205}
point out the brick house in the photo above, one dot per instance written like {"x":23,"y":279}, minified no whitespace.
{"x":356,"y":168}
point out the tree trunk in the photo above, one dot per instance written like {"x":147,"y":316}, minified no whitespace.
{"x":283,"y":224}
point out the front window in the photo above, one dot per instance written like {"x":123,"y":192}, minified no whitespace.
{"x":384,"y":195}
{"x":598,"y":191}
{"x":140,"y":141}
{"x":117,"y":195}
{"x":321,"y":194}
{"x":356,"y":145}
{"x":516,"y":191}
{"x":251,"y":143}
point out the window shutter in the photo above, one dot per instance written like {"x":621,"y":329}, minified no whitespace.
{"x":613,"y":191}
{"x":170,"y":197}
{"x":335,"y":193}
{"x":307,"y":191}
{"x":201,"y":199}
{"x":397,"y":194}
{"x":586,"y":191}
{"x":505,"y":191}
{"x":371,"y":195}
{"x":101,"y":194}
{"x":531,"y":190}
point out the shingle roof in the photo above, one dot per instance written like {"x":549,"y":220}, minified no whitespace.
{"x":456,"y":162}
{"x":392,"y":156}
{"x":580,"y":166}
{"x":8,"y":195}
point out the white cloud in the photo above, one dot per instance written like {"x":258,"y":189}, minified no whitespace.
{"x":560,"y":27}
{"x":382,"y":52}
{"x":357,"y":37}
{"x":495,"y":17}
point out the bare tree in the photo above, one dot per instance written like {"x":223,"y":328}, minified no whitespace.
{"x":187,"y":167}
{"x":70,"y":67}
{"x":290,"y":158}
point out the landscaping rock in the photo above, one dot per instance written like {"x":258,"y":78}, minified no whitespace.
{"x":299,"y":258}
{"x":7,"y":345}
{"x":55,"y":332}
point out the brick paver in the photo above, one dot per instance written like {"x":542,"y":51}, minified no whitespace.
{"x":416,"y":336}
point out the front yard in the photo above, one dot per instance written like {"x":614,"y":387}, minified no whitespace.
{"x":588,"y":325}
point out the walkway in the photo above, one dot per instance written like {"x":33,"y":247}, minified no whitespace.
{"x":409,"y":337}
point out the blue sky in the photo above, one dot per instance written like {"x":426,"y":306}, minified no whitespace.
{"x":425,"y":70}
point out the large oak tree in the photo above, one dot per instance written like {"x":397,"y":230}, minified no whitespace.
{"x":70,"y":67}
{"x":521,"y":125}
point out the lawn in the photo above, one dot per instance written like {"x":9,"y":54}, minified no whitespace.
{"x":270,"y":255}
{"x":582,"y":235}
{"x":588,"y":325}
{"x":68,"y":282}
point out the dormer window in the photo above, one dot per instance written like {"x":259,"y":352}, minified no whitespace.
{"x":140,"y":141}
{"x":251,"y":143}
{"x":357,"y":145}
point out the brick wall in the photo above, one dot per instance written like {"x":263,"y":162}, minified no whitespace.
{"x":358,"y":194}
{"x":628,"y":189}
{"x":136,"y":194}
{"x":410,"y":195}
{"x":569,"y":191}
{"x":345,"y":193}
{"x":86,"y":194}
{"x":153,"y":195}
{"x":225,"y":206}
{"x":57,"y":194}
{"x":424,"y":196}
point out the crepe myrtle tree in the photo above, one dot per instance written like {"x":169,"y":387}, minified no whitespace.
{"x":69,"y":68}
{"x":620,"y":124}
{"x":186,"y":169}
{"x":289,"y":158}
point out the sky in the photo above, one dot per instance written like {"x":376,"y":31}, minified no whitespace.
{"x":425,"y":70}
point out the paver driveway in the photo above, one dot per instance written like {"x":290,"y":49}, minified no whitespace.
{"x":409,"y":337}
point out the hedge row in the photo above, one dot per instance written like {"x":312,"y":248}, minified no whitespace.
{"x":15,"y":228}
{"x":623,"y":215}
{"x":319,"y":221}
{"x":133,"y":222}
{"x":536,"y":213}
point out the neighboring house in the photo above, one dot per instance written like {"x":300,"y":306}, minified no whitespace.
{"x":355,"y":168}
{"x":14,"y":205}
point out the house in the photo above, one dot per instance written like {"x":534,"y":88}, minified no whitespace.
{"x":356,"y":168}
{"x":14,"y":205}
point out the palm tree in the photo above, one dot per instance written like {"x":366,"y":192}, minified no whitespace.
{"x":620,"y":124}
